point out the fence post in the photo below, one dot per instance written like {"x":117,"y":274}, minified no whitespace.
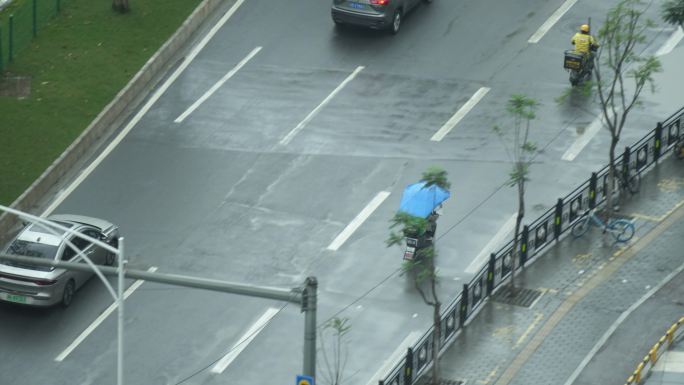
{"x":523,"y":245}
{"x":2,"y":64}
{"x":408,"y":367}
{"x":490,"y":274}
{"x":558,"y":219}
{"x":463,"y":313}
{"x":626,"y":156}
{"x":34,"y":11}
{"x":593,"y":181}
{"x":658,"y":141}
{"x":11,"y":39}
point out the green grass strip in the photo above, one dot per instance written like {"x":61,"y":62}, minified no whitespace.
{"x":78,"y":63}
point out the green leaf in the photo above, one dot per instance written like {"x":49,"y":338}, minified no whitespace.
{"x":436,"y":176}
{"x":673,"y":12}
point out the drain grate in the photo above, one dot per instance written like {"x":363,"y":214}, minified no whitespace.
{"x":442,"y":381}
{"x":15,"y":86}
{"x":524,"y":297}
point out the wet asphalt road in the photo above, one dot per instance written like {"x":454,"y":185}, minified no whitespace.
{"x":219,"y":196}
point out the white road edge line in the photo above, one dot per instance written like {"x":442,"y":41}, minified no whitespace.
{"x":64,"y":354}
{"x":410,"y":340}
{"x":245,"y":340}
{"x":358,"y":221}
{"x":138,"y":116}
{"x":288,"y":138}
{"x":672,"y":42}
{"x":503,"y":232}
{"x":216,"y":86}
{"x":551,"y":21}
{"x":451,"y":123}
{"x":618,"y":322}
{"x":583,"y":140}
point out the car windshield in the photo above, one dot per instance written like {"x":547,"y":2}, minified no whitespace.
{"x":31,"y":249}
{"x":43,"y":229}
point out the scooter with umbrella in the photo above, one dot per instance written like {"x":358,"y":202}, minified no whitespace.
{"x":418,"y":207}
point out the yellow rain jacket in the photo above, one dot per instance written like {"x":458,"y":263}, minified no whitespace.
{"x":583,"y":42}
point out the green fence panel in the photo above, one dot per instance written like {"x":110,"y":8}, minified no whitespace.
{"x":22,"y":33}
{"x":25,"y":24}
{"x":45,"y":11}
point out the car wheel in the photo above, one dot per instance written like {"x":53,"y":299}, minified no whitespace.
{"x":68,"y":294}
{"x":396,"y":22}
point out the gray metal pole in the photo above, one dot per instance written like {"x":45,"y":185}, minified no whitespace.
{"x":120,"y":300}
{"x":293,"y":295}
{"x":309,"y":308}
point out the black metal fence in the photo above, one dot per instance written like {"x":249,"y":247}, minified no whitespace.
{"x":535,"y":238}
{"x":21,"y":23}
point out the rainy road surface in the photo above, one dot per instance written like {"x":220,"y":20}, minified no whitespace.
{"x":280,"y":151}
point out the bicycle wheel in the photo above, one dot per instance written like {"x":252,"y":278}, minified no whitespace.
{"x":634,"y":183}
{"x":581,"y":226}
{"x":622,"y":230}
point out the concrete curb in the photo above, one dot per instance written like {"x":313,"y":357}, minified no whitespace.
{"x":104,"y":124}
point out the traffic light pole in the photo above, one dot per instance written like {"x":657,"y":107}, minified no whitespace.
{"x":309,"y":299}
{"x":305,"y":296}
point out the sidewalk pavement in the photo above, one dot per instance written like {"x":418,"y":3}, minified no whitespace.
{"x":602,"y":306}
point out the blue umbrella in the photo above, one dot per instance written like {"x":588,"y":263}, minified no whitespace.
{"x":420,"y":201}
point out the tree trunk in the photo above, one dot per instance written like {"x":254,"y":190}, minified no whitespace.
{"x":611,"y":178}
{"x":516,"y":236}
{"x":120,"y":6}
{"x":436,"y":337}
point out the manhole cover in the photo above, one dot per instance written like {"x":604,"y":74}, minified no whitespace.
{"x":15,"y":86}
{"x":524,"y":297}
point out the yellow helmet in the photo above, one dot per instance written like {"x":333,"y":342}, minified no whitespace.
{"x":584,"y":28}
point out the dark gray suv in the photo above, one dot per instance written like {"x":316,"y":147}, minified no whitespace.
{"x":378,"y":14}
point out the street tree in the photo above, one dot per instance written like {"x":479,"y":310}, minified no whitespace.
{"x":520,"y":151}
{"x":621,"y":72}
{"x":120,"y":6}
{"x":422,"y":267}
{"x":336,"y":354}
{"x":673,"y":12}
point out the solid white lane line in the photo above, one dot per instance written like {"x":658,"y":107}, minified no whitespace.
{"x":672,"y":42}
{"x":451,"y":123}
{"x":358,"y":221}
{"x":604,"y":338}
{"x":160,"y":91}
{"x":671,"y":361}
{"x":582,"y":140}
{"x":481,"y":258}
{"x":409,"y":341}
{"x":245,"y":340}
{"x":216,"y":86}
{"x":99,"y":320}
{"x":551,"y":21}
{"x":300,"y":126}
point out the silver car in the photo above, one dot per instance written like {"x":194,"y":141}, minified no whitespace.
{"x":378,"y":14}
{"x":46,"y":286}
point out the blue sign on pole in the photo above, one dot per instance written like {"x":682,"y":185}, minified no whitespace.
{"x":305,"y":380}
